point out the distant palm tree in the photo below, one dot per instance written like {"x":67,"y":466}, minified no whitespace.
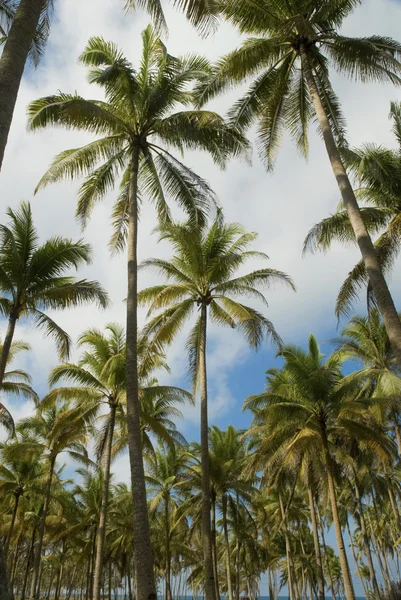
{"x":289,"y":56}
{"x":15,"y":382}
{"x":201,"y":275}
{"x":138,"y":127}
{"x":56,"y":429}
{"x":310,"y":408}
{"x":33,"y":280}
{"x":100,"y":378}
{"x":378,"y":173}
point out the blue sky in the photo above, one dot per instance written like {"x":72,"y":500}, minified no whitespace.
{"x":280,"y":207}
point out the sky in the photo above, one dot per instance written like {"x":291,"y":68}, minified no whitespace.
{"x":281,"y":207}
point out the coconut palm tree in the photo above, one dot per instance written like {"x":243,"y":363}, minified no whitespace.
{"x":315,"y":408}
{"x":56,"y":429}
{"x":33,"y":279}
{"x":137,"y":126}
{"x":290,"y":52}
{"x":100,"y":378}
{"x":15,"y":382}
{"x":378,"y":173}
{"x":25,"y":34}
{"x":202,"y":277}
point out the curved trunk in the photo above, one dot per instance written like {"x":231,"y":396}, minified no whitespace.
{"x":12,"y":320}
{"x":333,"y":594}
{"x":101,"y":531}
{"x":210,"y":593}
{"x":366,"y":544}
{"x":11,"y":528}
{"x":382,"y":294}
{"x":12,"y":62}
{"x":28,"y":564}
{"x":318,"y":554}
{"x":345,"y":570}
{"x":169,"y":595}
{"x":143,"y":556}
{"x":39,"y":542}
{"x":228,"y":551}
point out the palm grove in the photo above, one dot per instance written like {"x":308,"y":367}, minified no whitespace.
{"x":322,"y":452}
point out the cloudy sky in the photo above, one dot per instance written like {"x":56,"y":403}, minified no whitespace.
{"x":281,"y":207}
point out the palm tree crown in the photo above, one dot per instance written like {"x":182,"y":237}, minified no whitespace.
{"x":202,"y":272}
{"x":138,"y":112}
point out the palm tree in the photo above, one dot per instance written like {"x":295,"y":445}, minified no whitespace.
{"x":292,"y":47}
{"x":315,"y":408}
{"x":100,"y":377}
{"x":16,"y":382}
{"x":33,"y":280}
{"x":27,"y":29}
{"x":201,"y":274}
{"x":137,"y":124}
{"x":56,"y":429}
{"x":378,"y":173}
{"x":365,"y":340}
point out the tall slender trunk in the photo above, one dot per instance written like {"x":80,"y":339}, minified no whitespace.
{"x":28,"y":563}
{"x":11,"y":528}
{"x":101,"y":530}
{"x":321,"y":525}
{"x":143,"y":556}
{"x":4,"y":593}
{"x":58,"y":583}
{"x":228,"y":550}
{"x":169,"y":595}
{"x":318,"y":554}
{"x":214,"y":547}
{"x":379,"y":285}
{"x":12,"y":62}
{"x":210,"y":593}
{"x":358,"y":568}
{"x":291,"y":583}
{"x":39,"y":542}
{"x":345,"y":570}
{"x":237,"y":551}
{"x":394,"y":506}
{"x":366,"y":544}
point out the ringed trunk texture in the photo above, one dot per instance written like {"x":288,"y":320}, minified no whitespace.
{"x":345,"y":570}
{"x":143,"y":557}
{"x":379,"y":285}
{"x":37,"y":556}
{"x":214,"y":547}
{"x":12,"y":62}
{"x":101,"y":531}
{"x":318,"y":554}
{"x":228,"y":550}
{"x":210,"y":593}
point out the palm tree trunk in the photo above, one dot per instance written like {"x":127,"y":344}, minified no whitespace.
{"x":214,"y":547}
{"x":366,"y":545}
{"x":394,"y":507}
{"x":346,"y":573}
{"x":142,"y":548}
{"x":39,"y":542}
{"x":228,"y":551}
{"x":362,"y":580}
{"x":4,"y":593}
{"x":210,"y":593}
{"x":382,"y":294}
{"x":291,"y":586}
{"x":12,"y":320}
{"x":333,"y":594}
{"x":28,"y":563}
{"x":169,"y":595}
{"x":12,"y":62}
{"x":318,"y":554}
{"x":11,"y":528}
{"x":101,"y":531}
